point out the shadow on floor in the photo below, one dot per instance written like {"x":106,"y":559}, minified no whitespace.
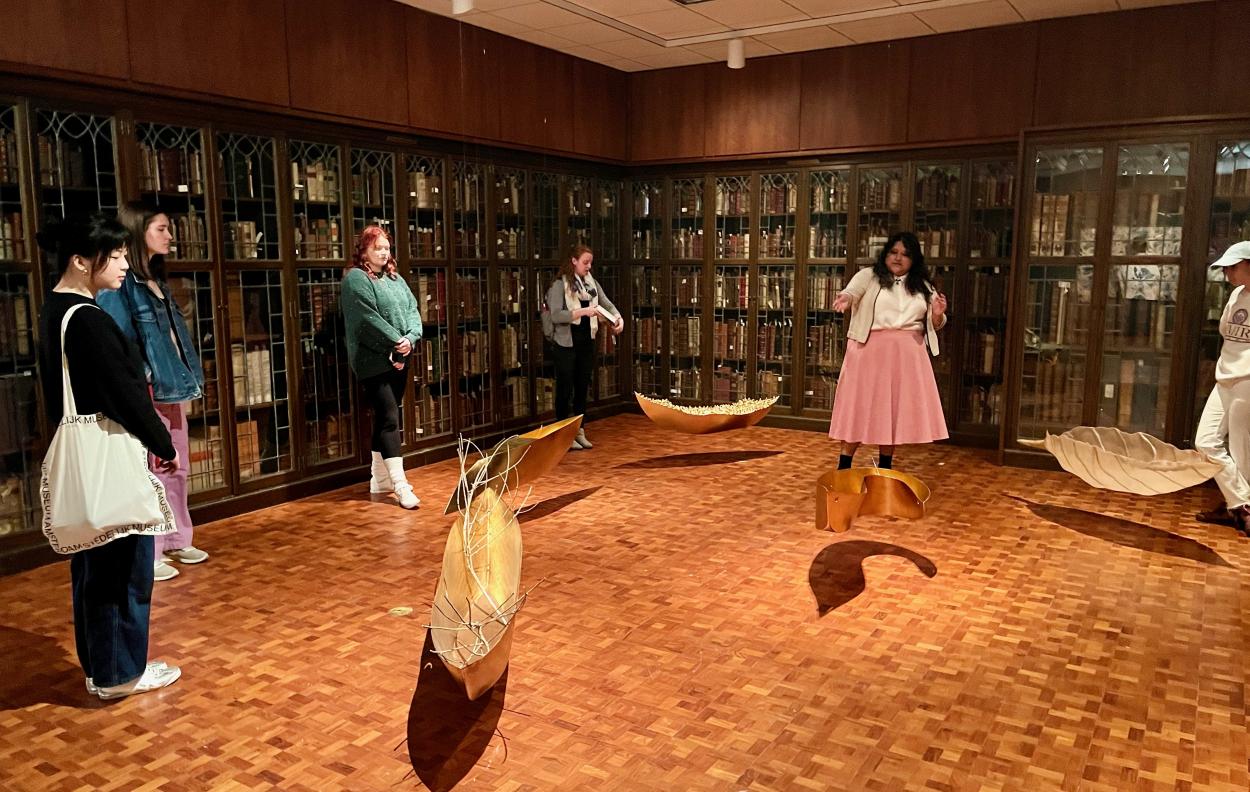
{"x":553,"y":505}
{"x":837,"y":574}
{"x":38,"y":671}
{"x":699,"y":459}
{"x":1125,"y":533}
{"x":447,"y":733}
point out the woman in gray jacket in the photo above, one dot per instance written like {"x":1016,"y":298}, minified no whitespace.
{"x":577,"y":305}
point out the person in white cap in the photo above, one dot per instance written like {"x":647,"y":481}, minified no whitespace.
{"x":1223,"y":432}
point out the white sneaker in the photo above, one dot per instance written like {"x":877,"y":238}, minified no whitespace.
{"x":94,"y":690}
{"x":163,"y":570}
{"x":402,"y":489}
{"x":187,"y":555}
{"x":153,"y":678}
{"x":407,"y":498}
{"x":581,"y":439}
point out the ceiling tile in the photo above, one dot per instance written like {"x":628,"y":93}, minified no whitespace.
{"x":620,"y":8}
{"x":719,"y":50}
{"x":437,"y":6}
{"x":1045,"y":9}
{"x":590,"y":33}
{"x":966,"y":17}
{"x":883,"y":28}
{"x":676,"y":56}
{"x":739,"y":14}
{"x":673,"y":23}
{"x":624,"y":64}
{"x":631,"y":48}
{"x":492,"y":22}
{"x":540,"y":15}
{"x":822,"y":8}
{"x":805,"y":39}
{"x":590,"y":53}
{"x":1127,"y":4}
{"x":544,"y":39}
{"x":492,"y":5}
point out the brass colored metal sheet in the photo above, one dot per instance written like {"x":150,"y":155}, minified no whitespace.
{"x":843,"y":495}
{"x":524,"y":457}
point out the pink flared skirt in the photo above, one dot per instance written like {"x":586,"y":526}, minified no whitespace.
{"x":886,"y":393}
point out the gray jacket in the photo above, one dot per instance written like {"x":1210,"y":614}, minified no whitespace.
{"x":561,"y":309}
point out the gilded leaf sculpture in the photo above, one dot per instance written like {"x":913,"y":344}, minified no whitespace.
{"x":843,"y":495}
{"x":1106,"y":458}
{"x":705,"y":420}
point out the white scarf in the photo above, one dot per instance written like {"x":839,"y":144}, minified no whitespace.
{"x":578,"y":291}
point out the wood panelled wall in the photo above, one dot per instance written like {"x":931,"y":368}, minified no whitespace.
{"x":972,"y":86}
{"x":363,"y":60}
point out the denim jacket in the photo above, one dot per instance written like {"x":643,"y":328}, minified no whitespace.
{"x":174,"y":371}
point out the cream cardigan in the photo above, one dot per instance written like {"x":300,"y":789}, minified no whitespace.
{"x":864,"y":288}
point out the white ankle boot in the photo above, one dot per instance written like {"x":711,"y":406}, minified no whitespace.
{"x":379,"y":479}
{"x":399,"y":483}
{"x":581,"y":439}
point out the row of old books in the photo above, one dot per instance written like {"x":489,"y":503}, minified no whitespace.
{"x":776,"y":290}
{"x":242,"y":240}
{"x":607,"y":377}
{"x":937,"y":189}
{"x":470,"y":296}
{"x":818,"y":391}
{"x":605,"y":342}
{"x":190,"y":236}
{"x":687,"y":287}
{"x":511,"y":291}
{"x":474,"y":352}
{"x":688,"y":243}
{"x":644,"y":377}
{"x":728,"y":385}
{"x":432,"y":297}
{"x":15,"y":325}
{"x":61,"y":163}
{"x":316,"y":180}
{"x":179,"y":170}
{"x":431,"y":360}
{"x":331,"y":437}
{"x":686,"y":337}
{"x":731,"y":291}
{"x":733,"y":198}
{"x":515,"y":401}
{"x":779,"y":199}
{"x":834,"y":196}
{"x":425,"y":190}
{"x":512,"y":346}
{"x":1141,"y":323}
{"x":989,"y":293}
{"x":778,"y":243}
{"x":982,"y":403}
{"x":509,"y":243}
{"x":772,"y":384}
{"x":1137,"y":401}
{"x":317,"y":238}
{"x":469,"y":243}
{"x":687,"y":383}
{"x":990,"y":242}
{"x":993,"y":190}
{"x":646,"y":244}
{"x":824,"y":346}
{"x":983,"y":353}
{"x":1058,"y":388}
{"x":1063,"y":225}
{"x":733,"y":245}
{"x":253,"y":375}
{"x":773,"y":341}
{"x":206,"y":457}
{"x":729,"y":340}
{"x":646,"y":335}
{"x":9,"y":170}
{"x":370,"y":187}
{"x":688,"y":200}
{"x":425,"y":241}
{"x":545,"y":393}
{"x":475,"y":406}
{"x":433,"y":413}
{"x":881,"y":194}
{"x":824,"y":289}
{"x":19,"y":416}
{"x":647,"y":284}
{"x":938,"y":242}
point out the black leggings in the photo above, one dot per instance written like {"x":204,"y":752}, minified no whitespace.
{"x":573,"y":368}
{"x":385,"y":394}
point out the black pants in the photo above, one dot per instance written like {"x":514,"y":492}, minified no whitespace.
{"x":573,"y":368}
{"x":112,"y":591}
{"x":385,"y":393}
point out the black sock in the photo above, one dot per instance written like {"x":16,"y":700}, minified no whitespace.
{"x":886,"y":462}
{"x":845,"y":461}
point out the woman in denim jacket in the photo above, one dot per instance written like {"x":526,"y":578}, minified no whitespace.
{"x":146,"y":312}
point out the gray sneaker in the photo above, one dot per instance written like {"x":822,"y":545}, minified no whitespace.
{"x":187,"y":555}
{"x":152,"y":678}
{"x":163,"y":570}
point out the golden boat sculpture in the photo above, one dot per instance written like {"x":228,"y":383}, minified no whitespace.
{"x":1106,"y":458}
{"x":479,"y":593}
{"x":517,"y":461}
{"x":843,"y":495}
{"x":705,"y":420}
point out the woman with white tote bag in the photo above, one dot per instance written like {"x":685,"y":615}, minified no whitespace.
{"x":100,"y":502}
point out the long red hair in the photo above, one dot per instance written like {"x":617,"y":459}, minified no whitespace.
{"x":365,"y":242}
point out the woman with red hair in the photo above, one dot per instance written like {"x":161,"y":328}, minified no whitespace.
{"x":383,"y":326}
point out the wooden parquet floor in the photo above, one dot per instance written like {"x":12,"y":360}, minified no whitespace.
{"x":691,"y":630}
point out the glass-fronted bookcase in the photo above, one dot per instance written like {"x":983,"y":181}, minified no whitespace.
{"x":264,"y":219}
{"x":1117,"y":320}
{"x":750,"y":313}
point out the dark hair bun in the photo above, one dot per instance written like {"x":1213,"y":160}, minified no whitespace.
{"x":52,"y":236}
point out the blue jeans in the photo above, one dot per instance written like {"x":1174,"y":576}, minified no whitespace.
{"x":112,"y":589}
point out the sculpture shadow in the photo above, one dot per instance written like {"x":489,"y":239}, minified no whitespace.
{"x":698,"y":459}
{"x":447,"y":733}
{"x":552,"y":505}
{"x":38,"y":671}
{"x":837,"y":573}
{"x":1125,"y":533}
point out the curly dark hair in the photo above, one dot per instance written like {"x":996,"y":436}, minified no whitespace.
{"x":917,"y":279}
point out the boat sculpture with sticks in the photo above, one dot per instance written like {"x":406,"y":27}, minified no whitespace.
{"x":705,"y":420}
{"x":518,"y":461}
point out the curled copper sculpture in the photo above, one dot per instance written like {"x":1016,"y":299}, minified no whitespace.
{"x":479,"y":593}
{"x":1107,"y":458}
{"x":843,"y":495}
{"x":705,"y":420}
{"x":518,"y":460}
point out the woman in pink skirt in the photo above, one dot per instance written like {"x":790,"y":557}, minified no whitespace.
{"x":886,"y":393}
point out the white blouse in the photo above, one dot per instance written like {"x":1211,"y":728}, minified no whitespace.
{"x":897,"y":309}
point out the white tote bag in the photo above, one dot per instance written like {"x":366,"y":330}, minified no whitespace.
{"x":96,"y":485}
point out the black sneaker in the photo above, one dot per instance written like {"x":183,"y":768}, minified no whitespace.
{"x":1220,"y":515}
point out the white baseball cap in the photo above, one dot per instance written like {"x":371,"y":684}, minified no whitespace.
{"x":1236,"y":253}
